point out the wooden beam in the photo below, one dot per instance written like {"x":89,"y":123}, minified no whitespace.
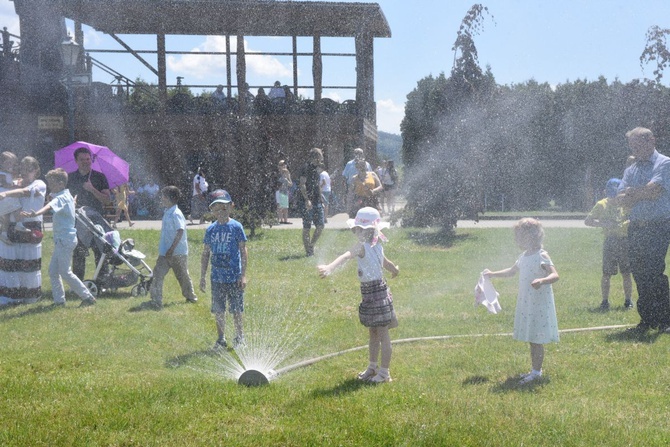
{"x":134,"y":53}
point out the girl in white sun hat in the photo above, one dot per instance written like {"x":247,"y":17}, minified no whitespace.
{"x":376,"y":309}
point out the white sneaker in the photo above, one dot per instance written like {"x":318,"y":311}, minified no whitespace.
{"x":527,"y":378}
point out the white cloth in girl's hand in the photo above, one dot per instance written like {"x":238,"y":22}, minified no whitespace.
{"x":487,"y":295}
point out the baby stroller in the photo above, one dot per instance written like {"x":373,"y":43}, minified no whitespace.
{"x":120,"y":264}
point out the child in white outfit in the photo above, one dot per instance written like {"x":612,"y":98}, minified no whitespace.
{"x":8,"y":166}
{"x":376,"y":309}
{"x":535,"y":318}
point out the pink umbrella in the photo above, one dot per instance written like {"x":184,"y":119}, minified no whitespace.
{"x":114,"y":167}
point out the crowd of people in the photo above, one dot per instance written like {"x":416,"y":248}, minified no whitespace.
{"x":635,"y":216}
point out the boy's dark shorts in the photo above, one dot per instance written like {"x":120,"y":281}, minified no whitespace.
{"x":227,"y":293}
{"x":314,"y":215}
{"x":615,"y":255}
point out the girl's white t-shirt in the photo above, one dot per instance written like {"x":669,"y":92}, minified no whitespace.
{"x":199,"y":180}
{"x":324,"y":182}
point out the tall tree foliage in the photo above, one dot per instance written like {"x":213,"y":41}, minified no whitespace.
{"x":438,"y":152}
{"x":656,"y":50}
{"x":471,"y":145}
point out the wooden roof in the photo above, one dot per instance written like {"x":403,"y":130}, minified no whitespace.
{"x":229,"y":17}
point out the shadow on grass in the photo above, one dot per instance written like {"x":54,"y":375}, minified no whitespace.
{"x":292,"y":257}
{"x":109,"y":295}
{"x":633,"y":335}
{"x":512,"y":384}
{"x":348,"y":386}
{"x":151,"y":307}
{"x":444,"y":239}
{"x":185,"y":359}
{"x":475,"y":380}
{"x":33,"y":310}
{"x":600,"y":310}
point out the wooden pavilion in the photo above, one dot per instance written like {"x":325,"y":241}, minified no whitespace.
{"x":235,"y":142}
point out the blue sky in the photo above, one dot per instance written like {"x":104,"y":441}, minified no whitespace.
{"x":549,"y":41}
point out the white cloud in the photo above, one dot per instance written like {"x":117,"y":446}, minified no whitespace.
{"x":389,"y":115}
{"x":9,"y":18}
{"x":214,"y":66}
{"x":92,"y":37}
{"x":333,"y":95}
{"x":268,"y":67}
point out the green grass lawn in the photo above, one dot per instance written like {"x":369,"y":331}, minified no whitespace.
{"x":117,"y":375}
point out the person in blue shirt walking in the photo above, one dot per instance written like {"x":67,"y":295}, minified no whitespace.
{"x":65,"y":239}
{"x":172,"y":250}
{"x":225,"y":243}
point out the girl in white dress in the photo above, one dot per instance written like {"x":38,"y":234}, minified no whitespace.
{"x":376,"y":309}
{"x":21,"y":260}
{"x":535,"y":318}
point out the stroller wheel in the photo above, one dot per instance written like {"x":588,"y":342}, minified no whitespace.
{"x":138,"y":290}
{"x":92,"y":287}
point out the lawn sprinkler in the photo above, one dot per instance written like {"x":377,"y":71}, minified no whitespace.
{"x":253,"y":377}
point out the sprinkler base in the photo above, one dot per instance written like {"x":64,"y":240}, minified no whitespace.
{"x":252,"y":377}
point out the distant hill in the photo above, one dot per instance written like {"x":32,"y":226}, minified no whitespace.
{"x":389,"y":146}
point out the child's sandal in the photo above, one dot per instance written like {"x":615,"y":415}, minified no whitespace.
{"x":380,"y":379}
{"x":367,"y":374}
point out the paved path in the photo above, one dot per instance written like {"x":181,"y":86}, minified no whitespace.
{"x":339,"y":221}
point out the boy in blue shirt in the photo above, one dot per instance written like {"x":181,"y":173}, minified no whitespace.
{"x":225,"y":243}
{"x":65,"y":239}
{"x":172,"y":250}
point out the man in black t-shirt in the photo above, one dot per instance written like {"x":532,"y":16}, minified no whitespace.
{"x":310,"y":202}
{"x":90,"y":189}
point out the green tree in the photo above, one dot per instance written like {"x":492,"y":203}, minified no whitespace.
{"x":440,"y":152}
{"x":144,"y":97}
{"x":656,"y":50}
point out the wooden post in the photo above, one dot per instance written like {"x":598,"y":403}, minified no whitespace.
{"x":162,"y":68}
{"x":295,"y":66}
{"x":317,"y":68}
{"x":241,"y":76}
{"x":229,"y":76}
{"x":365,"y":92}
{"x":79,"y":38}
{"x":365,"y":88}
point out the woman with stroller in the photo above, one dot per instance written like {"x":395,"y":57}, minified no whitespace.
{"x":20,"y":259}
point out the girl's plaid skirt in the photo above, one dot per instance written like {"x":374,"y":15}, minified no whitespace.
{"x":376,"y":308}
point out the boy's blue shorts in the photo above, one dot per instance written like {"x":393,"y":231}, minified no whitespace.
{"x":230,"y":293}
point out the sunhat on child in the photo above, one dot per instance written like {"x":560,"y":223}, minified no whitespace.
{"x":367,"y":217}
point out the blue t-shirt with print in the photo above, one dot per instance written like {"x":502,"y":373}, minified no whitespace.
{"x":223,"y":241}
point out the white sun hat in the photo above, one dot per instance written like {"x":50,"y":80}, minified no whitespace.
{"x":368,"y":217}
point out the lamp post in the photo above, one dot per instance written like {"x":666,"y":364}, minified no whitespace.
{"x":70,"y":54}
